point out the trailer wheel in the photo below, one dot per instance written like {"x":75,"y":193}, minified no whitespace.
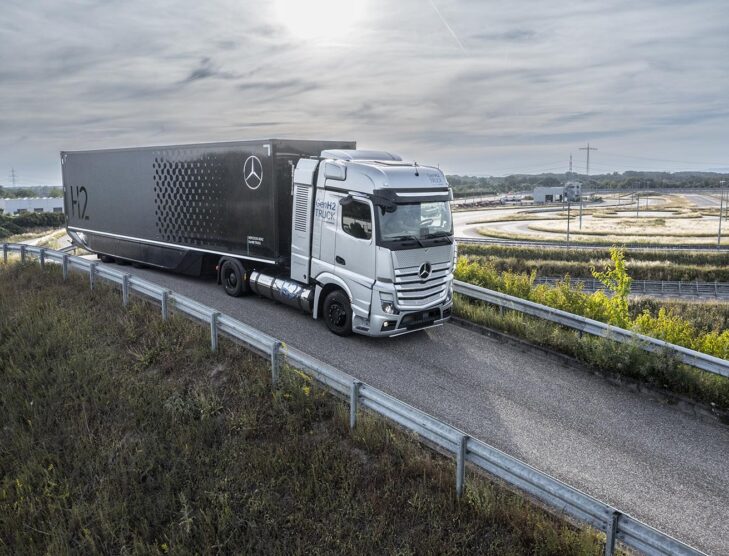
{"x":338,"y":313}
{"x":234,"y":278}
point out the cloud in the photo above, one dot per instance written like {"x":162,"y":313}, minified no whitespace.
{"x":207,"y":70}
{"x":532,"y":81}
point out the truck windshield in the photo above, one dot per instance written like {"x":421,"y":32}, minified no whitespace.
{"x":416,"y":222}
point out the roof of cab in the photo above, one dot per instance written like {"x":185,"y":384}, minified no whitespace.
{"x":370,"y":170}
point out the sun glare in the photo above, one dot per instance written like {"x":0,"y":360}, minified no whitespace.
{"x":323,"y":20}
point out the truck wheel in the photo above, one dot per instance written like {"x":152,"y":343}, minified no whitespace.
{"x":338,"y":313}
{"x":234,"y":278}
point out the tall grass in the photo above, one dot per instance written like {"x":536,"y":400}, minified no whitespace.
{"x":612,"y":309}
{"x":123,"y":434}
{"x":660,"y":370}
{"x":715,"y":258}
{"x":615,"y":309}
{"x":639,"y":270}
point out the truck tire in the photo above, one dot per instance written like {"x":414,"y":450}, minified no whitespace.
{"x":338,"y":313}
{"x":234,"y":278}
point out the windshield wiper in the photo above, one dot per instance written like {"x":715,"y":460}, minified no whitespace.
{"x":447,"y":235}
{"x":405,"y":238}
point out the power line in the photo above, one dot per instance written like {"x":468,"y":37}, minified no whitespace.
{"x":553,"y":165}
{"x":618,"y":155}
{"x":588,"y":148}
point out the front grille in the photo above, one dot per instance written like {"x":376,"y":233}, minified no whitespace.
{"x":412,"y":291}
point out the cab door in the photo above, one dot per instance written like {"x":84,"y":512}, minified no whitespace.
{"x":354,"y":258}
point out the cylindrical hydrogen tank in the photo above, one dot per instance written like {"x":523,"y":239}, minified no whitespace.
{"x":282,"y":290}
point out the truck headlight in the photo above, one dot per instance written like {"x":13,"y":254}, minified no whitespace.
{"x":449,"y":296}
{"x":387,"y":302}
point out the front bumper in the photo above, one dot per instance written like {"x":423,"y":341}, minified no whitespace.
{"x":381,"y":325}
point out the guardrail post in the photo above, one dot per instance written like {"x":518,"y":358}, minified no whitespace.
{"x":43,"y":259}
{"x":65,"y":267}
{"x":354,"y":403}
{"x":501,"y":310}
{"x":716,"y":289}
{"x":125,"y":289}
{"x":165,"y":305}
{"x":92,"y":274}
{"x":22,"y":253}
{"x":275,"y":362}
{"x":214,"y":331}
{"x":5,"y":253}
{"x":679,"y":287}
{"x":611,"y":533}
{"x":461,"y":465}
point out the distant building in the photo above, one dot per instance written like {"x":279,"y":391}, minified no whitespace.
{"x":548,"y":194}
{"x":39,"y":204}
{"x":571,"y":191}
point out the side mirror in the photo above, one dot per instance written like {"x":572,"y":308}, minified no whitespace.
{"x":348,"y":200}
{"x":335,"y":171}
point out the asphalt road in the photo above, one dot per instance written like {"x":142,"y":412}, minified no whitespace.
{"x":648,"y":459}
{"x":703,"y":201}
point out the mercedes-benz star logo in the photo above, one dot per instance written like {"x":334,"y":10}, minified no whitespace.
{"x":253,"y":172}
{"x":424,"y":271}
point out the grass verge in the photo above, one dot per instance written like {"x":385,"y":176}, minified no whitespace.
{"x":606,"y":240}
{"x":660,"y":370}
{"x":121,"y":433}
{"x":644,"y":265}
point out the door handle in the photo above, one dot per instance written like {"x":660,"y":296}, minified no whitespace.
{"x":339,"y":260}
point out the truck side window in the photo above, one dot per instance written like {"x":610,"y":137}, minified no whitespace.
{"x":357,"y":220}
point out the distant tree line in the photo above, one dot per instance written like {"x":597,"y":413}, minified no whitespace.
{"x":467,"y":186}
{"x":23,"y":192}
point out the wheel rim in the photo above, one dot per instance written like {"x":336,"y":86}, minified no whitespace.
{"x":337,"y":315}
{"x":231,"y":279}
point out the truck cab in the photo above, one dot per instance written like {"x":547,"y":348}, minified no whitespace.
{"x":374,"y":236}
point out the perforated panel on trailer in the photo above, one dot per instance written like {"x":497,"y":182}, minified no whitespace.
{"x":222,"y":198}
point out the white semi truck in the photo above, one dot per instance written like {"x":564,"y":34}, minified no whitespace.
{"x":360,"y":239}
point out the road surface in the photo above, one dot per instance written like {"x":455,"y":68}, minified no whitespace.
{"x":703,"y":201}
{"x":648,"y":459}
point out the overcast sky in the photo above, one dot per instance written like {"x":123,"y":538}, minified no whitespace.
{"x":479,"y":87}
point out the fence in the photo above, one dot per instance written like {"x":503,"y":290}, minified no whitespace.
{"x":656,"y":288}
{"x":616,"y":525}
{"x":696,"y":359}
{"x":585,"y":245}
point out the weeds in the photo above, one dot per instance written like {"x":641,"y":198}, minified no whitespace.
{"x":577,"y":263}
{"x":121,"y":433}
{"x":660,"y":369}
{"x":631,"y":361}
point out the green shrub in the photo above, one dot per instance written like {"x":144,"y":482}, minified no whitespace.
{"x":660,"y":369}
{"x":612,"y":307}
{"x":40,"y":220}
{"x":700,"y":258}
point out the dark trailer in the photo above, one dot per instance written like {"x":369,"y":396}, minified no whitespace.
{"x":182,"y":207}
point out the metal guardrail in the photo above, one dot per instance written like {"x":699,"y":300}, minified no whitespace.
{"x":655,"y":288}
{"x":617,"y":525}
{"x":581,"y":245}
{"x":688,"y":356}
